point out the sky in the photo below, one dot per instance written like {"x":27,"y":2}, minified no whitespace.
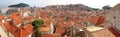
{"x":42,"y":3}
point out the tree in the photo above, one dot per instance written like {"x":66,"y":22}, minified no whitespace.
{"x":19,"y":5}
{"x":37,"y":25}
{"x":106,"y":7}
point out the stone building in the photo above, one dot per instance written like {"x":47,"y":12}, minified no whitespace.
{"x":113,"y":20}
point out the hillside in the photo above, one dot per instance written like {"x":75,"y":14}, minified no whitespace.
{"x":77,"y":7}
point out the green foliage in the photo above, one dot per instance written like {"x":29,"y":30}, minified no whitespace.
{"x":106,"y":7}
{"x":38,"y":23}
{"x":20,"y":5}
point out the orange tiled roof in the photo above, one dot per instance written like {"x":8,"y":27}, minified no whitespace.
{"x":97,"y":20}
{"x":48,"y":21}
{"x":19,"y":32}
{"x":30,"y":17}
{"x":45,"y":29}
{"x":28,"y":28}
{"x":8,"y":26}
{"x":17,"y":21}
{"x":60,"y":19}
{"x":51,"y":35}
{"x":114,"y":32}
{"x":11,"y":28}
{"x":86,"y":19}
{"x":15,"y":15}
{"x":1,"y":17}
{"x":101,"y":20}
{"x":60,"y":29}
{"x":94,"y":19}
{"x":69,"y":24}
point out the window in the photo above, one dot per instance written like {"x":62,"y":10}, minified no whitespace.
{"x":114,"y":17}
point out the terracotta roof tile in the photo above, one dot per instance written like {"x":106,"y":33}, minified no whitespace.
{"x":15,"y":15}
{"x":85,"y":19}
{"x":101,"y":20}
{"x":114,"y":32}
{"x":69,"y":24}
{"x":45,"y":29}
{"x":18,"y":32}
{"x":8,"y":26}
{"x":97,"y":20}
{"x":16,"y":22}
{"x":1,"y":17}
{"x":51,"y":35}
{"x":94,"y":19}
{"x":48,"y":21}
{"x":28,"y":28}
{"x":21,"y":33}
{"x":14,"y":28}
{"x":60,"y":29}
{"x":30,"y":17}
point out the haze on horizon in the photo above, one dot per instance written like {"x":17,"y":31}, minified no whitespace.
{"x":42,"y":3}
